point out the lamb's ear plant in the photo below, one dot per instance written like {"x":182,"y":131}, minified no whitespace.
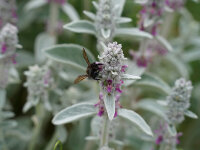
{"x":106,"y":23}
{"x":111,"y":77}
{"x":173,"y":111}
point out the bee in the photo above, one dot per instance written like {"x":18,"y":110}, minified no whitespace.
{"x":92,"y":71}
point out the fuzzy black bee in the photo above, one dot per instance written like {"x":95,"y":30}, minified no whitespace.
{"x":92,"y":71}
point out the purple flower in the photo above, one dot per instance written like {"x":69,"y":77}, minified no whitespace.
{"x":142,"y":60}
{"x":159,"y":139}
{"x":175,"y":4}
{"x":123,"y":69}
{"x":100,"y":105}
{"x":3,"y":48}
{"x":150,"y":16}
{"x":163,"y":136}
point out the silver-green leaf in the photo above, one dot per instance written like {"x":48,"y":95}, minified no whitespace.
{"x":33,"y":4}
{"x":164,"y":42}
{"x":135,"y":32}
{"x":69,"y":54}
{"x":43,"y":40}
{"x":109,"y":101}
{"x":152,"y":106}
{"x":154,"y":81}
{"x":74,"y":112}
{"x":136,"y":119}
{"x":130,"y":77}
{"x":69,"y":10}
{"x":191,"y":114}
{"x":2,"y":98}
{"x":81,"y":26}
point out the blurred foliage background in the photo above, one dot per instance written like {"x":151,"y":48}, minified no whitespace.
{"x":32,"y":23}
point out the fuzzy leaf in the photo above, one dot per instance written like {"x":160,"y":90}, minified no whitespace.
{"x":2,"y":98}
{"x":123,"y":20}
{"x":130,"y":77}
{"x":61,"y":133}
{"x":109,"y":102}
{"x":179,"y":65}
{"x":132,"y":32}
{"x":150,"y":80}
{"x":81,"y":26}
{"x":89,"y":14}
{"x":69,"y":10}
{"x":74,"y":112}
{"x":164,"y":42}
{"x":172,"y":130}
{"x":33,"y":4}
{"x":136,"y":119}
{"x":152,"y":106}
{"x":43,"y":40}
{"x":119,"y":6}
{"x":106,"y":33}
{"x":92,"y":138}
{"x":140,"y":1}
{"x":191,"y":114}
{"x":24,"y":59}
{"x":192,"y":55}
{"x":133,"y":69}
{"x":69,"y":54}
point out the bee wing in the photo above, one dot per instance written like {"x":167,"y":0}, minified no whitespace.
{"x":86,"y":57}
{"x":80,"y":78}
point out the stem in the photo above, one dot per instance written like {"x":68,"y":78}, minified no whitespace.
{"x":105,"y":133}
{"x":2,"y":141}
{"x":168,"y":22}
{"x":42,"y":117}
{"x":52,"y":142}
{"x":53,"y":19}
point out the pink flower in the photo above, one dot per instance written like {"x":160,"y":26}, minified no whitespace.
{"x":123,"y":69}
{"x":100,"y":105}
{"x":3,"y":48}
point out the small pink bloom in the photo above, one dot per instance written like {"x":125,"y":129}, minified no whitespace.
{"x":109,"y":88}
{"x":123,"y":69}
{"x":159,"y":140}
{"x":3,"y":48}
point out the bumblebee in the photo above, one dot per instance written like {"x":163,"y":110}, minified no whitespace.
{"x":93,"y":70}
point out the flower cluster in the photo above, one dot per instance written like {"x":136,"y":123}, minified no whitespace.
{"x":150,"y":16}
{"x":7,"y":12}
{"x":8,"y":44}
{"x":8,"y":39}
{"x":175,"y":4}
{"x":111,"y":74}
{"x":105,"y":20}
{"x":61,"y":2}
{"x":178,"y":101}
{"x":39,"y":81}
{"x":164,"y":139}
{"x":144,"y":57}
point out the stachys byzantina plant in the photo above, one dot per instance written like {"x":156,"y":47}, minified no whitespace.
{"x":111,"y":77}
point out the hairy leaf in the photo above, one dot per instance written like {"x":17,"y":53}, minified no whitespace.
{"x":153,"y":81}
{"x":69,"y":10}
{"x":69,"y":54}
{"x":81,"y":26}
{"x":74,"y":112}
{"x":109,"y":101}
{"x":136,"y":119}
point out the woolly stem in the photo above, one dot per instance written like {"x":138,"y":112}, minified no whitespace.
{"x":104,"y":132}
{"x":52,"y":142}
{"x":2,"y":141}
{"x":53,"y":19}
{"x":42,"y":117}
